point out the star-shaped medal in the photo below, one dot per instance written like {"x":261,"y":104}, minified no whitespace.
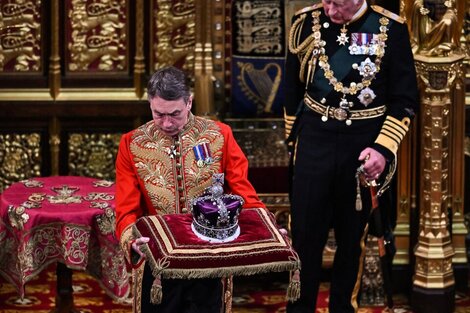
{"x":342,"y":38}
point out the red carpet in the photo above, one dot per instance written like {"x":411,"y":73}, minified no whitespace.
{"x":257,"y":294}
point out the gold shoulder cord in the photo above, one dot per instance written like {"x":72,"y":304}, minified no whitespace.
{"x":304,"y":50}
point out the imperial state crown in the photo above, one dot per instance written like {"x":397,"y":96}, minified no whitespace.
{"x":215,"y":214}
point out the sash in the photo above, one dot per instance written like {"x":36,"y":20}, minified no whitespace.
{"x":338,"y":61}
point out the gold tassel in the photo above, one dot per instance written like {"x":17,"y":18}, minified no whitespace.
{"x":156,"y":291}
{"x":358,"y":194}
{"x":293,"y":291}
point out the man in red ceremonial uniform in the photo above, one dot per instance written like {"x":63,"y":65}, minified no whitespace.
{"x":160,"y":167}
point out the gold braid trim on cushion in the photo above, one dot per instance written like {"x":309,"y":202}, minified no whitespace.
{"x":392,"y":133}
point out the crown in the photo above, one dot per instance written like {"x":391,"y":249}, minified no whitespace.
{"x":215,"y":214}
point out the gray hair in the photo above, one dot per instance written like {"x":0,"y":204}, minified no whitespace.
{"x":169,"y":83}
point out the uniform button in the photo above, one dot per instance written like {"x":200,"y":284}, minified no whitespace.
{"x":178,"y":154}
{"x":183,"y":199}
{"x":184,"y":210}
{"x":177,"y":143}
{"x":179,"y":177}
{"x":178,"y":165}
{"x":180,"y":188}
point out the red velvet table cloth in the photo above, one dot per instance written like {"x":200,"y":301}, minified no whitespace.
{"x":66,"y":219}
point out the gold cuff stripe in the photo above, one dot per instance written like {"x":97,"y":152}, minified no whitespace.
{"x":387,"y":143}
{"x":395,"y":128}
{"x":396,"y":124}
{"x":390,"y":136}
{"x":289,"y":117}
{"x":392,"y":133}
{"x":290,"y":122}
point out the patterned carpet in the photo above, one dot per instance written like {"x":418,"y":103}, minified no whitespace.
{"x":257,"y":294}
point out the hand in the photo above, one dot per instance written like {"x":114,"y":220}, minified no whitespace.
{"x":374,"y":163}
{"x":137,"y":243}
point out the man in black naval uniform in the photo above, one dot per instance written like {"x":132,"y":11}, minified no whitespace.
{"x":351,"y":93}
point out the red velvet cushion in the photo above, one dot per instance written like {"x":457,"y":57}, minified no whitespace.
{"x":175,"y":252}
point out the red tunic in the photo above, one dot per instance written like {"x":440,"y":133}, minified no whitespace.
{"x":158,"y":174}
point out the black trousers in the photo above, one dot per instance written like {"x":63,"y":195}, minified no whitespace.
{"x":183,"y":296}
{"x":323,"y":196}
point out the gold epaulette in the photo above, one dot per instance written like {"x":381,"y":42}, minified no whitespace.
{"x":388,"y":14}
{"x":310,"y":8}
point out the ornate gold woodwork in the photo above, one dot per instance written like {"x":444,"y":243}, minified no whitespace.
{"x":20,"y":36}
{"x":435,"y":25}
{"x":203,"y":85}
{"x":54,"y":143}
{"x":440,"y":108}
{"x":54,"y":59}
{"x":372,"y":291}
{"x":93,"y":155}
{"x":173,"y":33}
{"x":139,"y":64}
{"x":20,"y":157}
{"x":98,"y":35}
{"x":262,"y":141}
{"x":279,"y":205}
{"x":406,"y":195}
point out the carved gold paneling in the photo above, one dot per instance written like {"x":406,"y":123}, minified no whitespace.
{"x":20,"y":36}
{"x":435,"y":26}
{"x":262,"y":141}
{"x":173,"y":33}
{"x":19,"y":157}
{"x":219,"y":45}
{"x":279,"y":205}
{"x":439,"y":110}
{"x":93,"y":155}
{"x":97,"y":35}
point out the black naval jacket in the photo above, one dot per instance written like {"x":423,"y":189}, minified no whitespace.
{"x":394,"y":85}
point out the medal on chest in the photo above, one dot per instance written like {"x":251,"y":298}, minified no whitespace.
{"x":203,"y":155}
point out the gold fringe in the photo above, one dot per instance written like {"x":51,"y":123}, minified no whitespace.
{"x":156,"y":293}
{"x":293,"y":290}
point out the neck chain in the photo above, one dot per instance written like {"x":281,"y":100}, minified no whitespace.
{"x":367,"y":68}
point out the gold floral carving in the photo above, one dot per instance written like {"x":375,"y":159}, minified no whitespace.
{"x":93,"y":155}
{"x":262,"y":141}
{"x":435,"y":249}
{"x":20,"y":157}
{"x":98,"y":35}
{"x":20,"y":36}
{"x":174,"y":34}
{"x":435,"y":26}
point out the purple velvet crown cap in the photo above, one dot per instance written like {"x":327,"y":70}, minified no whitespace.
{"x":215,"y":215}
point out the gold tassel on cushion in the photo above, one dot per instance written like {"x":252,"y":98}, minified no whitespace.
{"x":293,"y":291}
{"x":156,"y":291}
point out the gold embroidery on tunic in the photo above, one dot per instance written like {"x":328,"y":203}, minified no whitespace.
{"x":159,"y":173}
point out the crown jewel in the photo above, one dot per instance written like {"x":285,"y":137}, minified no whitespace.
{"x":215,"y":215}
